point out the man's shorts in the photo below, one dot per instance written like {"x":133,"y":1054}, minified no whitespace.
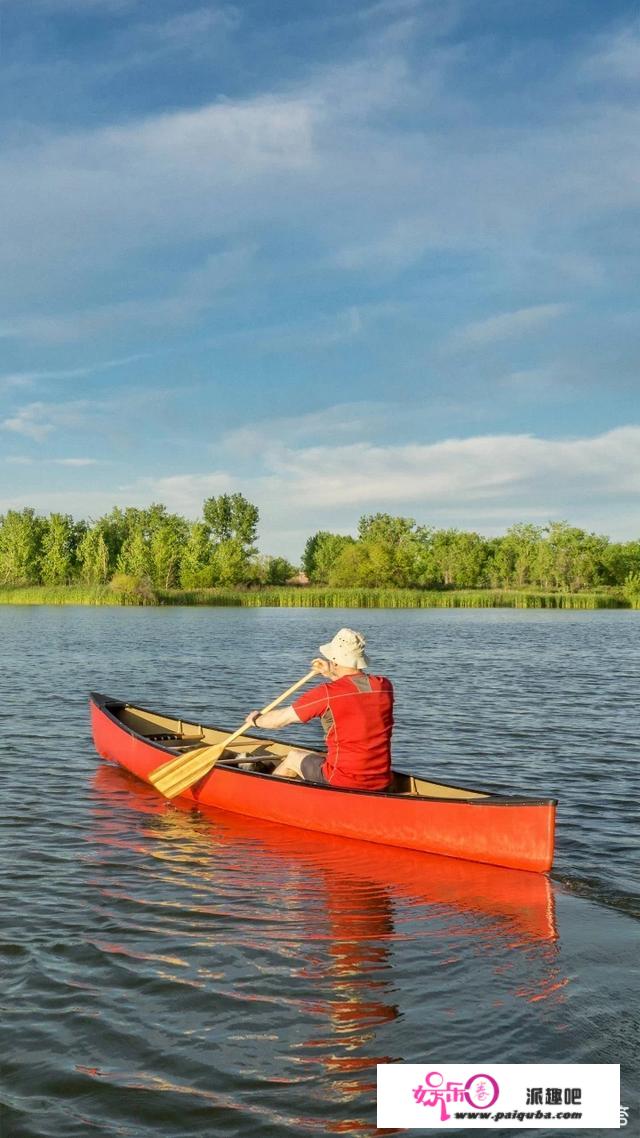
{"x":311,"y":768}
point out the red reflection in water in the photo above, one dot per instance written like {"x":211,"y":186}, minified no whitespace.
{"x":523,"y":901}
{"x":343,"y":899}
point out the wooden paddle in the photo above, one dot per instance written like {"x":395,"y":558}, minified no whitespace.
{"x":179,"y":774}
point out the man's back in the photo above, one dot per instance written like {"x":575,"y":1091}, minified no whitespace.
{"x":357,"y":716}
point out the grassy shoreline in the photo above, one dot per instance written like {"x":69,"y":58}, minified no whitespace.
{"x":286,"y":597}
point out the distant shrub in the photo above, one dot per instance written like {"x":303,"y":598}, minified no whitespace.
{"x":631,"y":589}
{"x":132,"y":590}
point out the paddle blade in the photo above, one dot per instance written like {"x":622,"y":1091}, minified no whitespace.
{"x":172,"y":778}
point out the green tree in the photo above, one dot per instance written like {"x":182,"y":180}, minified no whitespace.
{"x":134,"y":559}
{"x":168,"y":537}
{"x":513,"y":559}
{"x":385,"y":528}
{"x":471,"y":554}
{"x":416,"y":555}
{"x":309,"y":554}
{"x":196,"y":564}
{"x":351,"y":568}
{"x":321,"y":555}
{"x":232,"y":517}
{"x":149,"y":543}
{"x":570,"y":558}
{"x":232,"y":522}
{"x":279,"y":571}
{"x":21,"y":533}
{"x":59,"y":544}
{"x":231,"y":562}
{"x":94,"y":558}
{"x":590,"y":566}
{"x":366,"y":564}
{"x":460,"y":558}
{"x":398,"y":552}
{"x":444,"y":556}
{"x":621,"y":560}
{"x":631,"y":588}
{"x":115,"y":527}
{"x":390,"y":551}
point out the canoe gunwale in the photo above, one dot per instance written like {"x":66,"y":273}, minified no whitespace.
{"x":109,"y":705}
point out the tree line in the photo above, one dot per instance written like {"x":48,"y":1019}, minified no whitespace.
{"x":136,"y":548}
{"x":155,"y":549}
{"x":395,"y":551}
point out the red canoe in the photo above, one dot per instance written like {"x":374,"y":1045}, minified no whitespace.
{"x":416,"y":814}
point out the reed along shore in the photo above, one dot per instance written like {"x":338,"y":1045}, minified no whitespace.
{"x":310,"y":597}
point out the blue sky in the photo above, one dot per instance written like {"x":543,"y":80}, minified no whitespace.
{"x":341,"y":257}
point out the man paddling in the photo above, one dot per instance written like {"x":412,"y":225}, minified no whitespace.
{"x":356,"y":712}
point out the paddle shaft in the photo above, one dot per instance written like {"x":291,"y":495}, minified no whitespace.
{"x":270,"y":706}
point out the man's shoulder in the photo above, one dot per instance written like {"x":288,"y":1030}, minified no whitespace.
{"x":318,"y":691}
{"x":311,"y":703}
{"x":384,"y":682}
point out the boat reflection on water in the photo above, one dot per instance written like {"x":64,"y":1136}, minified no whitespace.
{"x":337,"y":930}
{"x":521,"y":902}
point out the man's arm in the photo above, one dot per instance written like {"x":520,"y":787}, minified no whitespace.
{"x":284,"y":716}
{"x":279,"y":717}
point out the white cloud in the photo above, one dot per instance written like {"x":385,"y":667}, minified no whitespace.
{"x":75,"y":462}
{"x":320,"y":331}
{"x":616,"y":57}
{"x":38,"y":420}
{"x":193,"y":293}
{"x":30,"y":421}
{"x":15,"y":380}
{"x":95,"y":197}
{"x":485,"y":482}
{"x":485,"y":470}
{"x":24,"y":460}
{"x":329,"y":157}
{"x":341,"y":421}
{"x":505,"y":325}
{"x":27,"y":378}
{"x":196,"y":31}
{"x":398,"y":247}
{"x":182,"y":493}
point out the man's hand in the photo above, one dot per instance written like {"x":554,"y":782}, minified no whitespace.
{"x":250,"y":721}
{"x":322,"y":667}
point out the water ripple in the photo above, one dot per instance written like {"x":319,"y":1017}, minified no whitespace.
{"x":171,"y":972}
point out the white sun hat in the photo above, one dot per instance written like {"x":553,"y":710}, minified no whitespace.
{"x":346,"y":649}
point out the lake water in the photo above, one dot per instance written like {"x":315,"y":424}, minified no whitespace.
{"x":172,"y":973}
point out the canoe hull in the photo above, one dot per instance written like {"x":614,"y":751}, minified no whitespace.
{"x":515,"y":833}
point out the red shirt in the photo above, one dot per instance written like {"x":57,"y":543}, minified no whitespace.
{"x":357,"y":717}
